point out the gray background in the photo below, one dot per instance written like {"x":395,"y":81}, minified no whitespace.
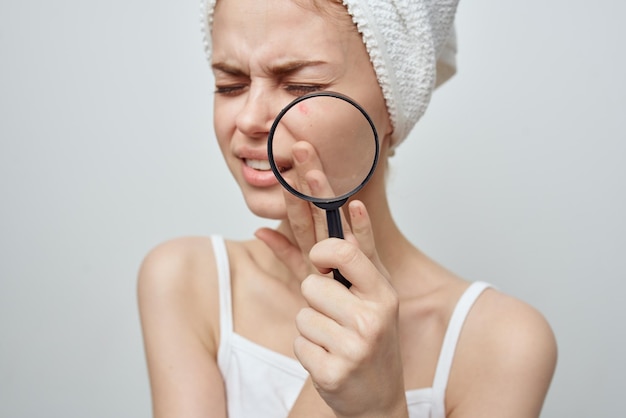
{"x":515,"y":176}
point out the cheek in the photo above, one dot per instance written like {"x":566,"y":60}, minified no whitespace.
{"x":381,"y":119}
{"x":223,"y":123}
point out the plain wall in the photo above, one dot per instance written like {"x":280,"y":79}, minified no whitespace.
{"x":516,"y":176}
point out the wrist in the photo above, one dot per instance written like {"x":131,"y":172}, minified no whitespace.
{"x":398,"y":410}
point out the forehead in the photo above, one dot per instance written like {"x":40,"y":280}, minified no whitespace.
{"x":333,"y":9}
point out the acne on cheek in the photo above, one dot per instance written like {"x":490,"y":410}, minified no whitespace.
{"x":303,"y":108}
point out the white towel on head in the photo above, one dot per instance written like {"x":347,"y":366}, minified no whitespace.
{"x":411,"y":44}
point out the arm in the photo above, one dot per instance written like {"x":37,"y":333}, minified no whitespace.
{"x":504,"y":363}
{"x":178,"y":304}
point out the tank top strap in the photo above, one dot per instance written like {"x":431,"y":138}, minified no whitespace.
{"x":225,"y":300}
{"x":444,"y":364}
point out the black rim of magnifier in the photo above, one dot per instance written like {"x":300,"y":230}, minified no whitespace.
{"x":270,"y":152}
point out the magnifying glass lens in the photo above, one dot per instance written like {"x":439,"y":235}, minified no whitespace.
{"x":324,"y":138}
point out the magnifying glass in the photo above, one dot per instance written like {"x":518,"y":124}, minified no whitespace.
{"x":341,"y":144}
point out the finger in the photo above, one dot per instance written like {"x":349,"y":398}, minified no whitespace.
{"x":330,"y":298}
{"x":367,"y":281}
{"x":305,"y":159}
{"x":308,"y":168}
{"x":319,"y":328}
{"x":316,"y":183}
{"x":319,"y":185}
{"x":309,"y":354}
{"x":301,"y":221}
{"x":364,"y":234}
{"x":288,"y":253}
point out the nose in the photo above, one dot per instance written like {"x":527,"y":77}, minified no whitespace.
{"x":256,"y":117}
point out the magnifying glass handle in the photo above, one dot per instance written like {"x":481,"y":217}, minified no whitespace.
{"x":339,"y":277}
{"x":335,"y":230}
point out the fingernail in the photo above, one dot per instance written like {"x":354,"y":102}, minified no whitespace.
{"x":355,"y":210}
{"x":314,"y":185}
{"x":300,"y":155}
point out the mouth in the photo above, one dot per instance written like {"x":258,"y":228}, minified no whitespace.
{"x":263,"y":165}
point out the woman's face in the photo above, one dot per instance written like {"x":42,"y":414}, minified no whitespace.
{"x":267,"y":53}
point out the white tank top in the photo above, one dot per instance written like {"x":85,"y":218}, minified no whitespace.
{"x":261,"y":383}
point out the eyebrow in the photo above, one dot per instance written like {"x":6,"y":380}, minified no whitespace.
{"x":282,"y":69}
{"x":227,"y":68}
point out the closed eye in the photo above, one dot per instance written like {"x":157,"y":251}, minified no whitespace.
{"x":302,"y":89}
{"x":230,"y":90}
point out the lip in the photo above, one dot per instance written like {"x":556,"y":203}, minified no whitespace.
{"x":257,"y":178}
{"x":251,"y":158}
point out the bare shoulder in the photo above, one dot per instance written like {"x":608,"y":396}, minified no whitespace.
{"x":176,"y":254}
{"x":504,"y":362}
{"x":179,"y":277}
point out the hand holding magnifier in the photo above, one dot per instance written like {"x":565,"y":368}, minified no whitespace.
{"x":342,"y":136}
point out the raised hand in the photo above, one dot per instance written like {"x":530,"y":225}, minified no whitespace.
{"x":349,"y":337}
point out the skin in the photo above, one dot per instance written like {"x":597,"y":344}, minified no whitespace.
{"x":389,"y":326}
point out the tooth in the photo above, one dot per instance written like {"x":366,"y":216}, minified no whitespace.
{"x":258,"y":164}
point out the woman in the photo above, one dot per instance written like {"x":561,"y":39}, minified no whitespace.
{"x":258,"y":328}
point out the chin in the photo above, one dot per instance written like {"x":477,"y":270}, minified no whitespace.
{"x":267,"y":207}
